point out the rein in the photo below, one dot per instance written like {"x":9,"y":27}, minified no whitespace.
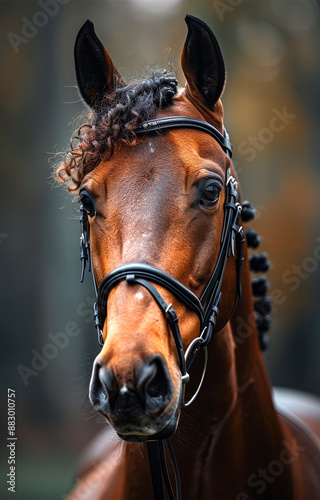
{"x":206,"y":307}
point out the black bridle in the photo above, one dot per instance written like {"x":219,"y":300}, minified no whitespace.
{"x":206,"y":307}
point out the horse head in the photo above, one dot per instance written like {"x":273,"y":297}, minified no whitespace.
{"x":160,"y":212}
{"x":155,"y":202}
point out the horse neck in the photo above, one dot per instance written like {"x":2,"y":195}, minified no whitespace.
{"x":235,"y":364}
{"x":234,"y":410}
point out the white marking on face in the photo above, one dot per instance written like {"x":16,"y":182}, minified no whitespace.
{"x":139,"y":295}
{"x":152,"y":149}
{"x":123,"y":389}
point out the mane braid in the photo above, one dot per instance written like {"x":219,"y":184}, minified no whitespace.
{"x":114,"y":119}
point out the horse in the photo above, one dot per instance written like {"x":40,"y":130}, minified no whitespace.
{"x":162,"y":219}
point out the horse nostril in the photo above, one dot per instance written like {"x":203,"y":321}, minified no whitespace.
{"x":145,"y":377}
{"x":154,"y":383}
{"x":102,"y":387}
{"x":108,"y":381}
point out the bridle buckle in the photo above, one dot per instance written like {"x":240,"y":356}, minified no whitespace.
{"x":185,"y":378}
{"x":171,"y":316}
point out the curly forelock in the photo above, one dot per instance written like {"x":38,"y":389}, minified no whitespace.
{"x":114,"y":120}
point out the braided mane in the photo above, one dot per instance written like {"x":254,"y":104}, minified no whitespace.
{"x":114,"y":120}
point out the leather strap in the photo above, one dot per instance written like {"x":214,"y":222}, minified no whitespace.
{"x":154,"y":455}
{"x":159,"y":470}
{"x":150,"y":273}
{"x":185,"y":122}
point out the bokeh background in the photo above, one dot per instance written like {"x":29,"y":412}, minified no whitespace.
{"x":271,"y":50}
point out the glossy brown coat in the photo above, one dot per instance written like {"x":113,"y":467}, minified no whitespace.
{"x":231,"y":443}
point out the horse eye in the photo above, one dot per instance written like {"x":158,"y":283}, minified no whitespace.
{"x":87,"y":203}
{"x":209,"y":193}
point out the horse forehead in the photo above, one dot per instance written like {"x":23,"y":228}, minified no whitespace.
{"x":153,"y":167}
{"x":177,"y":153}
{"x":159,"y":165}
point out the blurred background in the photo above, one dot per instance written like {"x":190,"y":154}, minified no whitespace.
{"x":271,"y":50}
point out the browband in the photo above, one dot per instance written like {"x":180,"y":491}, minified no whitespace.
{"x":160,"y":124}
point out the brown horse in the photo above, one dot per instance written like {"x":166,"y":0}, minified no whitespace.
{"x":160,"y":201}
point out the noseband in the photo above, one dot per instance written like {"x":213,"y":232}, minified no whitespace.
{"x":206,"y":307}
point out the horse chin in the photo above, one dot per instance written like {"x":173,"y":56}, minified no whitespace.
{"x":164,"y":431}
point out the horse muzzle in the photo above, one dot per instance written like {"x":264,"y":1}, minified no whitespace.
{"x":141,"y":404}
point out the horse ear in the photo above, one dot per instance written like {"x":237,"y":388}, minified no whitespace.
{"x":202,"y":62}
{"x":96,"y":73}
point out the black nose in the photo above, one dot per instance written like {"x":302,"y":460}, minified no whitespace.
{"x":149,"y":389}
{"x":154,"y":384}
